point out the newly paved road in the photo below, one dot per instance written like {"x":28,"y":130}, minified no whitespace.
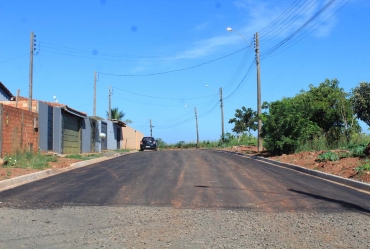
{"x":187,"y":179}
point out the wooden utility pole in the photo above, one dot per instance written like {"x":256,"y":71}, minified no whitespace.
{"x":32,"y":39}
{"x":151,"y":128}
{"x":94,"y":111}
{"x":222,"y":117}
{"x":196,"y":123}
{"x":109,"y":107}
{"x":260,"y":142}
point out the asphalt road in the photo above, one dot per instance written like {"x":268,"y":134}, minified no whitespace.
{"x":187,"y":179}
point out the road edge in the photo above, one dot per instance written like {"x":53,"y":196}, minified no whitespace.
{"x":21,"y":180}
{"x":327,"y":176}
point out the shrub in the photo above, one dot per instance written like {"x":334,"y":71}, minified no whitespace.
{"x":328,"y":156}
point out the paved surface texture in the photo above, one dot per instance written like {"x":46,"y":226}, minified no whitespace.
{"x":183,"y":199}
{"x":187,"y":179}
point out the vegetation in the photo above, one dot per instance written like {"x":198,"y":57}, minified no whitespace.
{"x":84,"y":156}
{"x":229,"y":141}
{"x":364,"y":167}
{"x":26,"y":159}
{"x":322,"y":114}
{"x":118,"y":115}
{"x":244,"y":120}
{"x":361,"y":101}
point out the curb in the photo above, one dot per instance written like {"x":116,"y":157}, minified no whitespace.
{"x":20,"y":180}
{"x":327,"y":176}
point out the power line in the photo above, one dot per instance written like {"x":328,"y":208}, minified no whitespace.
{"x":155,"y":97}
{"x":173,"y":71}
{"x":14,"y":58}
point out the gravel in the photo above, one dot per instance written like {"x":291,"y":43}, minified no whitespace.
{"x":166,"y":227}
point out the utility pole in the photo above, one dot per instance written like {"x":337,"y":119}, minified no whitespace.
{"x":151,"y":128}
{"x":94,"y":111}
{"x":196,"y":123}
{"x":260,"y":145}
{"x":32,"y":40}
{"x":109,"y":107}
{"x":222,"y":117}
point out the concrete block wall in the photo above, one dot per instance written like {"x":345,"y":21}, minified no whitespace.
{"x":131,"y":138}
{"x":17,"y":130}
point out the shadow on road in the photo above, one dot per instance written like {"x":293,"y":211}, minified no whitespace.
{"x":344,"y":204}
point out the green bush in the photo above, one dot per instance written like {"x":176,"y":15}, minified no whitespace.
{"x":363,"y":167}
{"x":328,"y":156}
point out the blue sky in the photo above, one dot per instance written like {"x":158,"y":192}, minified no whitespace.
{"x":158,"y":56}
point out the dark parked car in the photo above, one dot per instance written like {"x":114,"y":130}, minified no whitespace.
{"x":148,"y":143}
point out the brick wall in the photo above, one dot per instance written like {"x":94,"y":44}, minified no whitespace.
{"x":22,"y":104}
{"x":17,"y":130}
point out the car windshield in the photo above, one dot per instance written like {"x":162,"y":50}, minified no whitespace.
{"x":148,"y":139}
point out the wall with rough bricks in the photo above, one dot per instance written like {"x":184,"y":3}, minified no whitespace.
{"x":22,"y":104}
{"x":17,"y":130}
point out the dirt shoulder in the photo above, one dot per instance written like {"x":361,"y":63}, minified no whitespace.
{"x":9,"y":172}
{"x":344,"y":167}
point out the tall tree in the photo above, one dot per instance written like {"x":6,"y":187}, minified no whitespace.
{"x":245,"y":120}
{"x":116,"y":114}
{"x":361,"y":101}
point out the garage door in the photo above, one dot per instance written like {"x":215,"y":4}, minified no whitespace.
{"x":71,"y":134}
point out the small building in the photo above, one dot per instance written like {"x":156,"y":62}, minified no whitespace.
{"x":5,"y":94}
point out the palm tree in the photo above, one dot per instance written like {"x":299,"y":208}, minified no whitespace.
{"x":115,"y":114}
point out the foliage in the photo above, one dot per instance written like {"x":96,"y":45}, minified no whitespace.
{"x":363,"y":167}
{"x":84,"y":157}
{"x":361,"y":101}
{"x":328,"y":156}
{"x":116,"y":114}
{"x":244,"y":120}
{"x":161,"y":143}
{"x":26,"y":159}
{"x":358,"y":151}
{"x":323,"y":114}
{"x":286,"y":125}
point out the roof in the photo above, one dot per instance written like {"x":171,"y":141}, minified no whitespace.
{"x":62,"y":106}
{"x":6,"y":90}
{"x":119,"y":122}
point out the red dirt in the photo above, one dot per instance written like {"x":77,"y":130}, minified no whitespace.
{"x":8,"y":172}
{"x":344,"y":167}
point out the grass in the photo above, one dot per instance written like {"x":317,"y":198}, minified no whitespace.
{"x":363,"y":167}
{"x":29,"y":160}
{"x":84,"y":156}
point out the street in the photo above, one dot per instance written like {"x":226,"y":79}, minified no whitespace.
{"x":143,"y":189}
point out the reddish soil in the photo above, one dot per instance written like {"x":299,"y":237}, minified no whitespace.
{"x":344,"y":167}
{"x":8,"y":172}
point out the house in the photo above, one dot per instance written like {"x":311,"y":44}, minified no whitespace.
{"x":60,"y":126}
{"x":5,"y":94}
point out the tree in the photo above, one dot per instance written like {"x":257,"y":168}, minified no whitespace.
{"x":323,"y":111}
{"x":245,"y":120}
{"x":161,"y":143}
{"x":118,"y":115}
{"x":361,"y":101}
{"x":286,"y":125}
{"x":330,"y":108}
